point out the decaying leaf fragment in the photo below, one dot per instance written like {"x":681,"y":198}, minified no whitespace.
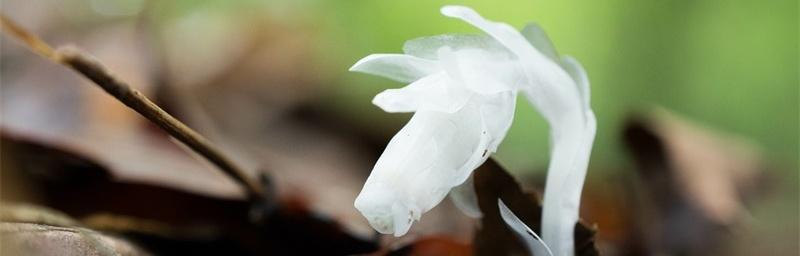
{"x":493,"y":236}
{"x":695,"y":181}
{"x":32,"y":230}
{"x":162,"y":219}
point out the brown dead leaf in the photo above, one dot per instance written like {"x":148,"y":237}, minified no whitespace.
{"x":164,"y":219}
{"x":37,"y":239}
{"x":493,"y":237}
{"x":33,"y":230}
{"x":432,"y":246}
{"x":694,"y":179}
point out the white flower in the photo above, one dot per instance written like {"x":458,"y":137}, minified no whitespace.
{"x":463,"y":91}
{"x":453,"y":131}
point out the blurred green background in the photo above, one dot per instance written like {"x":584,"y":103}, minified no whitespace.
{"x":728,"y":64}
{"x":732,"y":65}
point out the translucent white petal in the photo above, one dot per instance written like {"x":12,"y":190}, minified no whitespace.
{"x":548,"y":86}
{"x":427,"y":158}
{"x":534,"y":243}
{"x":433,"y":153}
{"x":376,"y":202}
{"x":539,"y":39}
{"x":578,"y":74}
{"x":479,"y":70}
{"x":503,"y":33}
{"x":411,"y":97}
{"x":398,"y":67}
{"x":465,"y":198}
{"x":428,"y":47}
{"x":497,"y":114}
{"x":402,"y":219}
{"x":462,"y":149}
{"x":432,"y":92}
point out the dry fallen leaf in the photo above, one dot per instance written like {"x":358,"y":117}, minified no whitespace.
{"x":432,"y":246}
{"x":493,"y":236}
{"x":163,"y":219}
{"x":32,"y":230}
{"x":695,"y":179}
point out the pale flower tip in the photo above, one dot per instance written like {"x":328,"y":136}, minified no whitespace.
{"x":455,"y":10}
{"x":358,"y":67}
{"x":466,"y":199}
{"x":375,"y":204}
{"x":384,"y":101}
{"x":403,"y":218}
{"x":364,"y":64}
{"x":382,"y":98}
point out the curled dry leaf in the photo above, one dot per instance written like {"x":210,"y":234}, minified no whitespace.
{"x":493,"y":237}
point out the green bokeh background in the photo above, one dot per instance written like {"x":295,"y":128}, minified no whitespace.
{"x":727,"y":64}
{"x":730,"y":65}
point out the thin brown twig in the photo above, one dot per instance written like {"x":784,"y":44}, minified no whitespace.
{"x":33,"y":42}
{"x":95,"y":71}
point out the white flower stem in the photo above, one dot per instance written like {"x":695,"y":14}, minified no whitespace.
{"x":572,"y":143}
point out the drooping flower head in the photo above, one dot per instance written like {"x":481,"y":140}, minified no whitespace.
{"x":462,"y":91}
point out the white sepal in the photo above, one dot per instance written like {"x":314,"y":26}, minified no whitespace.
{"x":398,"y":67}
{"x":535,"y":244}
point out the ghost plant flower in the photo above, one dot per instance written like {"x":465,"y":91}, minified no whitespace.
{"x":462,"y":90}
